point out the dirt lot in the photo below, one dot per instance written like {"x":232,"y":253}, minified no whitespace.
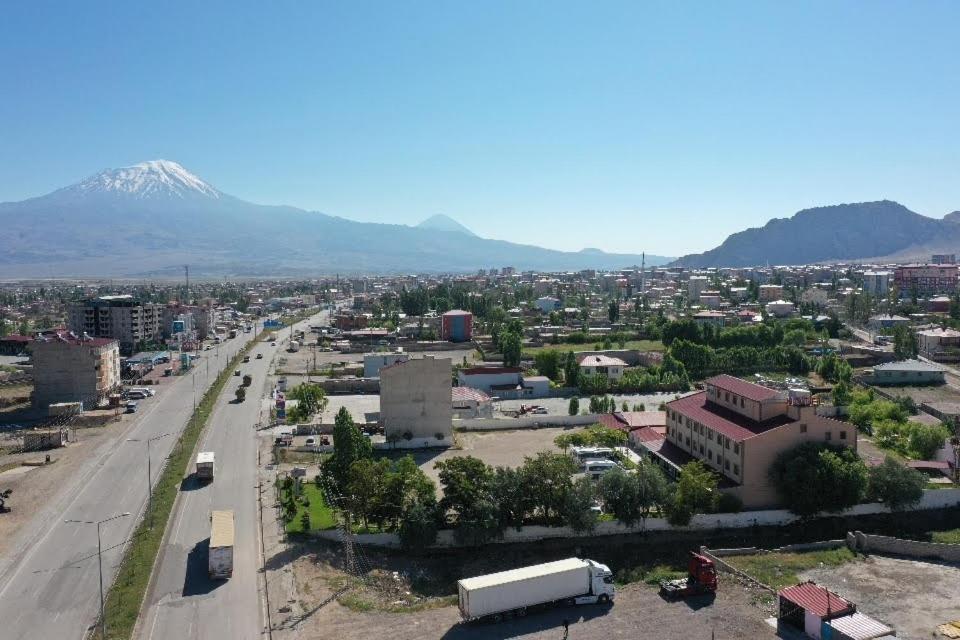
{"x":496,"y":448}
{"x":912,"y":597}
{"x":637,"y":612}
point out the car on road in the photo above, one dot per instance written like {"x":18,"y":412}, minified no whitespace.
{"x":131,"y":407}
{"x":259,"y":356}
{"x":246,"y":358}
{"x":237,"y":372}
{"x":273,"y":344}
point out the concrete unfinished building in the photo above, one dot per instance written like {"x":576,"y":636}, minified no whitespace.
{"x":415,"y":402}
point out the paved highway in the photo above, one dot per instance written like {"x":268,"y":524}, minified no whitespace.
{"x":183,"y":601}
{"x":49,"y":582}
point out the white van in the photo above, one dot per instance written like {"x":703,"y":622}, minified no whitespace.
{"x":596,"y":468}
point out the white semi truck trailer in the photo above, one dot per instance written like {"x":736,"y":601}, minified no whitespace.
{"x":514,"y":592}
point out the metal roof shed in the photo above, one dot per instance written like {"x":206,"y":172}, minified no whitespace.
{"x":855,"y":626}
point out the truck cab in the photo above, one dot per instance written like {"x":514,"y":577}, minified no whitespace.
{"x":601,"y":583}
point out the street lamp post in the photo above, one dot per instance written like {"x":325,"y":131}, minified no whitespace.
{"x":149,"y":472}
{"x":103,"y":620}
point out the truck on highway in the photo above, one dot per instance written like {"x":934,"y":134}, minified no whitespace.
{"x":220,"y":562}
{"x":205,"y":466}
{"x":233,"y":333}
{"x":514,"y":592}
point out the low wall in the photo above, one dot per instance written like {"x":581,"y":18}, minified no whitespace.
{"x":334,"y":386}
{"x":935,"y":499}
{"x":526,"y":422}
{"x":867,"y":543}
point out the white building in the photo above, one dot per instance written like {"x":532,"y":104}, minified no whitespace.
{"x":877,"y":283}
{"x":814,"y":296}
{"x":609,"y":367}
{"x":374,"y":362}
{"x":695,"y":286}
{"x":780,"y":308}
{"x":547,"y":304}
{"x":415,"y":403}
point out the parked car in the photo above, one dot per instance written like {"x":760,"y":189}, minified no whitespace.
{"x":131,"y":407}
{"x":311,"y":442}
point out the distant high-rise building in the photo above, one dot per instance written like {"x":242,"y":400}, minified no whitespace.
{"x":944,"y":258}
{"x":926,"y":279}
{"x":877,"y":283}
{"x":696,"y":285}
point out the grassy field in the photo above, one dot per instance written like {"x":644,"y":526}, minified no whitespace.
{"x":640,"y":345}
{"x":321,"y":515}
{"x":948,"y":537}
{"x":126,"y":596}
{"x":780,"y":570}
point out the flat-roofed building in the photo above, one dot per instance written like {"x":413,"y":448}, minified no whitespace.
{"x":71,"y":369}
{"x":416,"y":402}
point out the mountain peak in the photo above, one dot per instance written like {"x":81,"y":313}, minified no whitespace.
{"x":150,"y":179}
{"x":441,"y":222}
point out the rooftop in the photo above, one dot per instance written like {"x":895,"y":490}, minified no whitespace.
{"x":748,"y":390}
{"x":602,"y":361}
{"x":816,"y":600}
{"x":475,"y":371}
{"x":468,"y":393}
{"x":907,"y":365}
{"x":725,"y":421}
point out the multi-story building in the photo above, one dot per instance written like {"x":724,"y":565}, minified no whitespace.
{"x":67,"y":368}
{"x":456,"y":326}
{"x":737,"y":429}
{"x":695,"y":286}
{"x":201,"y":319}
{"x":601,"y":365}
{"x":877,"y":283}
{"x":416,"y":407}
{"x":926,"y":279}
{"x":374,"y":362}
{"x":944,"y":258}
{"x":770,"y":292}
{"x":130,"y":322}
{"x":939,"y":344}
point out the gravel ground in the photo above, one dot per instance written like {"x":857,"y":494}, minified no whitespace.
{"x":912,"y":597}
{"x":638,"y":612}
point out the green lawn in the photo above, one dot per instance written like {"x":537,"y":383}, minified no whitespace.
{"x":948,"y":537}
{"x":321,"y":515}
{"x":780,"y":570}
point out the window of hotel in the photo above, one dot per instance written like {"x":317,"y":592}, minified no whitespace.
{"x":726,"y":443}
{"x":843,"y":435}
{"x":828,"y":436}
{"x":736,"y":469}
{"x":736,"y":448}
{"x":726,"y":396}
{"x":688,"y":442}
{"x":741,"y":403}
{"x":709,"y":434}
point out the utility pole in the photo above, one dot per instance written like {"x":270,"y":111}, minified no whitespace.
{"x":103,"y":620}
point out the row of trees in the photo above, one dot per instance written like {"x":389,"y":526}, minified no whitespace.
{"x":701,"y":360}
{"x":817,"y":477}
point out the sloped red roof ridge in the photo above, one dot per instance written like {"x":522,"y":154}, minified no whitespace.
{"x":748,"y":390}
{"x":729,"y":423}
{"x":817,"y":600}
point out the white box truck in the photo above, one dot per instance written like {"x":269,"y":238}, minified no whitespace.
{"x":570,"y":581}
{"x":205,"y":466}
{"x":220,"y":556}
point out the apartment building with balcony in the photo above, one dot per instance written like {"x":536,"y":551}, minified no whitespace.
{"x":926,"y":279}
{"x":125,"y":319}
{"x":68,"y":368}
{"x":737,"y":429}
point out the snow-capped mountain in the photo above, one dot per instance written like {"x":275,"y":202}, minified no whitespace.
{"x":151,"y":179}
{"x":154,"y":217}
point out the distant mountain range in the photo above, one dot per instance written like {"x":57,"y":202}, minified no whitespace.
{"x":152,"y":218}
{"x":881,"y":231}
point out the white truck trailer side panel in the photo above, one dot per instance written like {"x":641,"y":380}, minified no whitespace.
{"x":524,"y":587}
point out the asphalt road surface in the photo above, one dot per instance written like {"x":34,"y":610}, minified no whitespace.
{"x":49,"y":581}
{"x":183,"y":601}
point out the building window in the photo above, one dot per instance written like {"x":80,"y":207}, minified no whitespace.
{"x":736,"y":448}
{"x":736,"y":469}
{"x":726,"y":465}
{"x":726,"y":396}
{"x":710,"y":455}
{"x":688,"y":442}
{"x":843,"y":435}
{"x":803,"y":427}
{"x":701,"y":448}
{"x":828,"y":436}
{"x":709,"y":434}
{"x":741,"y":403}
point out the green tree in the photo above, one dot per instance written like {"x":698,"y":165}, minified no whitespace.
{"x":620,"y":493}
{"x":365,"y":491}
{"x":511,"y":346}
{"x":578,"y":505}
{"x":923,"y":441}
{"x":508,"y":491}
{"x":613,"y":311}
{"x":419,"y":523}
{"x":571,"y":370}
{"x":311,"y":399}
{"x":815,"y":477}
{"x":895,"y":485}
{"x":349,"y":445}
{"x":549,"y":362}
{"x":654,"y":490}
{"x":549,"y":479}
{"x":696,"y":485}
{"x":905,"y":342}
{"x":573,"y":408}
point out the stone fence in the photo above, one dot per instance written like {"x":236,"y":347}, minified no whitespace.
{"x":867,"y":543}
{"x":936,"y":499}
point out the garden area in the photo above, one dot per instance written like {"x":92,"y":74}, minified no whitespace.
{"x":779,"y":570}
{"x":888,"y":424}
{"x":303,"y":506}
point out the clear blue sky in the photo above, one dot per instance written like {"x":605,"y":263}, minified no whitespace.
{"x":626,"y":126}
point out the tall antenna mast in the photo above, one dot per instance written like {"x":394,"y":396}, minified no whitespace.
{"x":186,"y":271}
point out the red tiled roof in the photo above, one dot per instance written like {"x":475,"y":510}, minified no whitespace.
{"x":644,"y":418}
{"x":647,"y":434}
{"x":748,"y":390}
{"x":816,"y":600}
{"x":730,"y":423}
{"x":489,"y":370}
{"x":468,"y":393}
{"x":611,"y":421}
